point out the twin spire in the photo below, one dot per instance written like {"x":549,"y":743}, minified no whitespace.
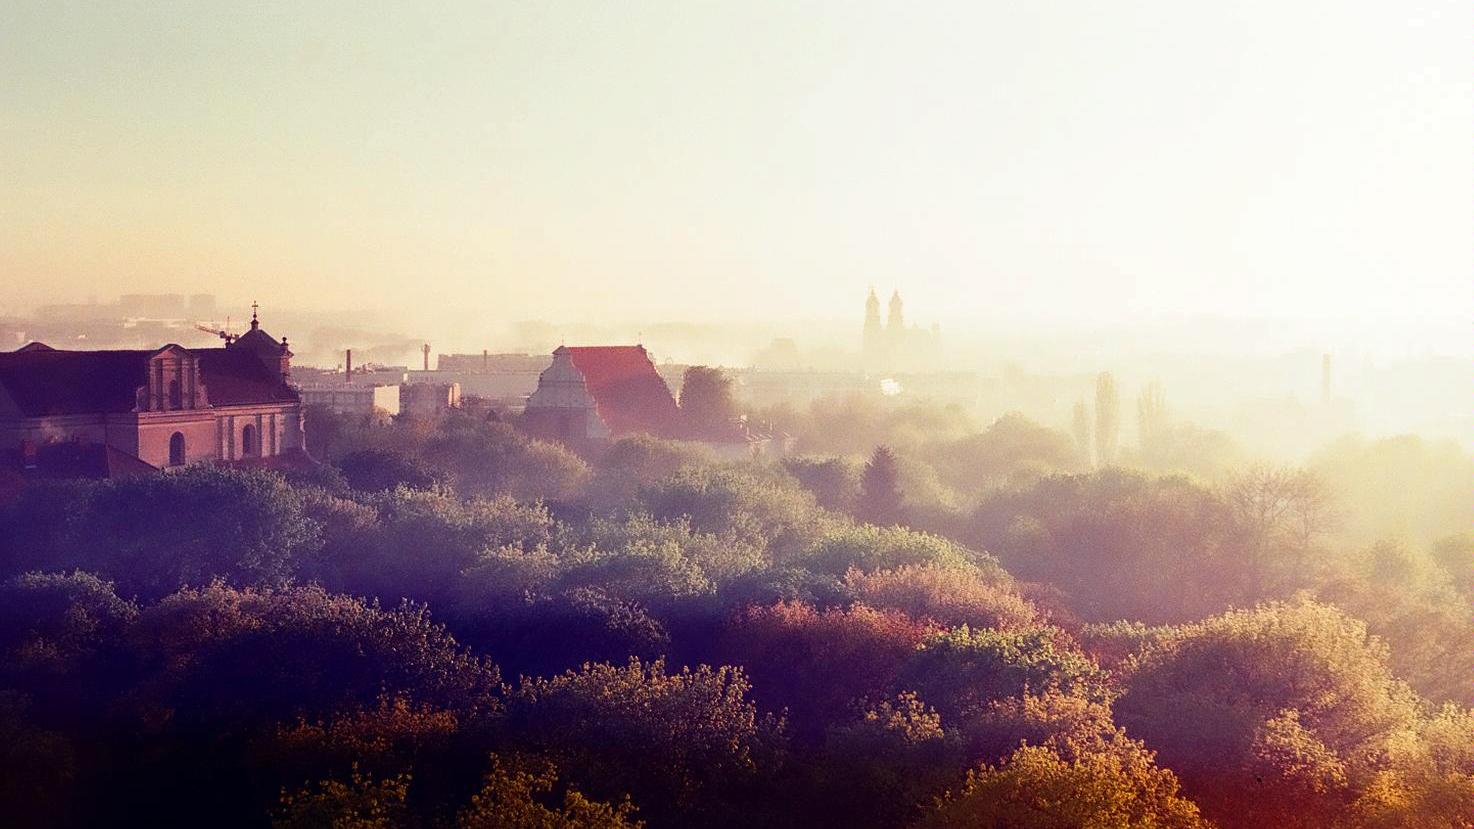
{"x":894,"y":318}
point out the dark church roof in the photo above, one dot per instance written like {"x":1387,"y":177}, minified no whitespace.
{"x":235,"y":377}
{"x":629,"y":393}
{"x":44,"y":381}
{"x":258,"y":342}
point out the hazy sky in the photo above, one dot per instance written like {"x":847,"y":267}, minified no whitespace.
{"x":1096,"y":161}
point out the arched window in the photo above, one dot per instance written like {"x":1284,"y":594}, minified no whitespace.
{"x":176,"y":449}
{"x":250,"y":446}
{"x":176,"y":397}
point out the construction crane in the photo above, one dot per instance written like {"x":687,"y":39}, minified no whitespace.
{"x":222,"y":333}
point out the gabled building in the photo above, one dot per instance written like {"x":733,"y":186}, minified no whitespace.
{"x":601,"y":393}
{"x":107,"y":413}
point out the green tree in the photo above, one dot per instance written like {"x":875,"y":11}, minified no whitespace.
{"x":1037,"y":788}
{"x":154,"y":534}
{"x":516,"y":796}
{"x":880,"y":490}
{"x":1080,"y":428}
{"x":962,"y":670}
{"x":221,"y":658}
{"x":685,"y":744}
{"x":486,"y":459}
{"x":639,"y":461}
{"x":867,"y":548}
{"x":1107,"y":419}
{"x":376,"y":470}
{"x":1293,"y":702}
{"x":885,"y":766}
{"x":1455,"y":554}
{"x":419,"y":542}
{"x":950,"y":596}
{"x":834,"y":481}
{"x":1401,"y":487}
{"x":55,"y":631}
{"x":324,"y":430}
{"x":1409,"y":601}
{"x":38,"y":768}
{"x":361,"y":802}
{"x":760,"y":506}
{"x":1013,"y":448}
{"x":1152,"y":421}
{"x":816,"y":663}
{"x":1122,"y":545}
{"x":707,"y":404}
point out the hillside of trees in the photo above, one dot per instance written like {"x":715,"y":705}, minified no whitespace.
{"x":914,"y":620}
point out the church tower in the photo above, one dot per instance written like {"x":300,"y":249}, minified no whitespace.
{"x":896,"y":351}
{"x":894,"y":325}
{"x":275,"y":355}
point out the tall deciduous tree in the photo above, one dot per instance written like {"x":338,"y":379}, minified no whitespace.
{"x":880,"y":489}
{"x":1152,"y":422}
{"x":1293,"y":702}
{"x":1107,"y":418}
{"x":707,"y":404}
{"x":1081,"y":430}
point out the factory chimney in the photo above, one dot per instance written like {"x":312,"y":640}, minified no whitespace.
{"x":485,"y":360}
{"x":425,"y":349}
{"x":348,"y":366}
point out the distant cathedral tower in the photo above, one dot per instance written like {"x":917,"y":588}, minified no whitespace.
{"x":893,"y":347}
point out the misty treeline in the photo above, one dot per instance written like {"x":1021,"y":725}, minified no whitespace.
{"x":917,"y":620}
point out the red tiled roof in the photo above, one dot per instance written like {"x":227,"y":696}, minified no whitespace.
{"x":628,"y":391}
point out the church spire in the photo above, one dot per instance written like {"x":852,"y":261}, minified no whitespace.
{"x":894,"y":321}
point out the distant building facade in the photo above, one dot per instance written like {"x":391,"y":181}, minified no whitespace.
{"x":503,"y":379}
{"x":428,"y":400}
{"x":346,"y":398}
{"x":105,"y":413}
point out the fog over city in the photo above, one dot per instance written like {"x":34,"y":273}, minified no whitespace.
{"x":956,"y":415}
{"x":1058,"y":186}
{"x":719,"y":163}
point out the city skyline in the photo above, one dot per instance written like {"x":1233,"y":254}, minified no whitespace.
{"x":1054,"y":164}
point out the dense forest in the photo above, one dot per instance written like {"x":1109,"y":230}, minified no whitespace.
{"x":913,"y":620}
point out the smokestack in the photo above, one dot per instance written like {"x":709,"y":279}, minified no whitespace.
{"x":426,"y":350}
{"x":485,"y":360}
{"x":1325,"y":379}
{"x":348,"y":367}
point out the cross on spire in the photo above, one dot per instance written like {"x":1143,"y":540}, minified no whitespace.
{"x":255,"y":323}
